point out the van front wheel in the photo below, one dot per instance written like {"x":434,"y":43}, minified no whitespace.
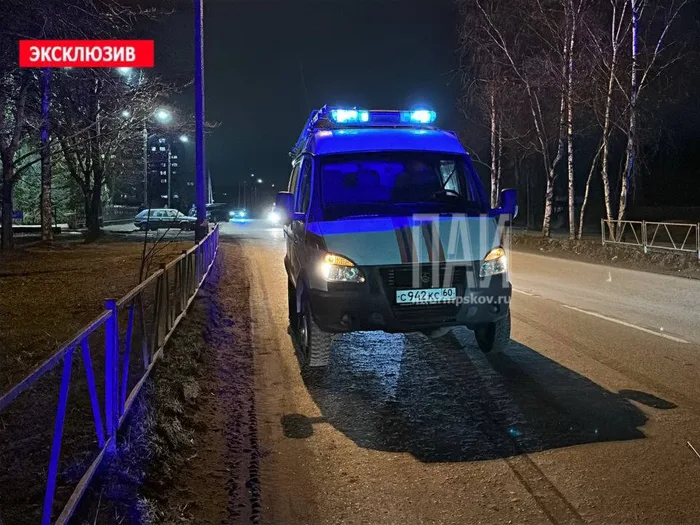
{"x":315,"y":344}
{"x":493,"y":338}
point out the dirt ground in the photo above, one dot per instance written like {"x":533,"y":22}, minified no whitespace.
{"x":189,"y":453}
{"x":49,"y":292}
{"x":593,"y":251}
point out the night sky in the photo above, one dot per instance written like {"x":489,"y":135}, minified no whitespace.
{"x":371,"y":53}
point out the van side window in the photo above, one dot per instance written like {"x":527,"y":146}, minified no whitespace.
{"x":449,"y":175}
{"x":292,"y":188}
{"x":302,"y":200}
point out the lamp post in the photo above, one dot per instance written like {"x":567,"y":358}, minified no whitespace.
{"x":201,"y":228}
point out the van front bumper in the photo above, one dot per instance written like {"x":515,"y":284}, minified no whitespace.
{"x":367,"y":307}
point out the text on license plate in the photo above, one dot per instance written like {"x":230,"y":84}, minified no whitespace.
{"x":426,"y":296}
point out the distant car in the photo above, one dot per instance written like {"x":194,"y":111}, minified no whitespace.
{"x":218,"y":212}
{"x":238,"y":214}
{"x":273,"y":216}
{"x":163,"y":218}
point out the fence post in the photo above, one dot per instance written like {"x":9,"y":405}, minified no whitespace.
{"x":697,"y":239}
{"x":602,"y":231}
{"x":184,"y":284}
{"x":111,"y":372}
{"x":57,"y":439}
{"x":644,"y":236}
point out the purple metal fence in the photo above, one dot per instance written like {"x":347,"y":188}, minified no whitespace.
{"x":176,"y":285}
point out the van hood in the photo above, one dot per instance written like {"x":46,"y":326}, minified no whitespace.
{"x":385,"y":241}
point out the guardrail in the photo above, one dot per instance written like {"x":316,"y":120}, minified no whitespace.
{"x":166,"y":295}
{"x":671,"y":236}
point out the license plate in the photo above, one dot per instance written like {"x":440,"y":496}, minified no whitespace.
{"x":426,"y":296}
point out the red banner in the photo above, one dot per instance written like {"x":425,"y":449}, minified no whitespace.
{"x":86,"y":53}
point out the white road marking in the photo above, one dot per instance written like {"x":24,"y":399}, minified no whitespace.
{"x":525,"y":293}
{"x":629,"y":325}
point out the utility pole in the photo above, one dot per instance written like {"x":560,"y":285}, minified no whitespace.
{"x":202,"y":227}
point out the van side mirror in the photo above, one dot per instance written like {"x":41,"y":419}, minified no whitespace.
{"x":509,"y":204}
{"x":284,"y":204}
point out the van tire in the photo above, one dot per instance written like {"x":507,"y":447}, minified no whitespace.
{"x":493,"y":338}
{"x":314,"y":344}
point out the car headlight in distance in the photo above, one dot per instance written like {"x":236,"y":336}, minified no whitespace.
{"x":232,"y":214}
{"x":494,"y":263}
{"x":336,"y":268}
{"x":273,"y":217}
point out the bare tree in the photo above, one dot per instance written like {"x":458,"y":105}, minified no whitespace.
{"x":13,"y":100}
{"x":658,"y":53}
{"x":92,"y":129}
{"x":604,"y":49}
{"x":528,"y":41}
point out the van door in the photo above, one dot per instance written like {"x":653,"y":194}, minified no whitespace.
{"x":288,"y":229}
{"x":298,"y":225}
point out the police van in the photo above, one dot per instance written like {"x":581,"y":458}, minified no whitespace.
{"x":388,"y":227}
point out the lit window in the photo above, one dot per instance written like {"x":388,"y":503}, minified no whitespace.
{"x":163,"y":196}
{"x":162,"y":148}
{"x":163,"y":172}
{"x":174,"y":157}
{"x":161,"y":141}
{"x":174,"y":164}
{"x":164,"y":181}
{"x":153,"y":148}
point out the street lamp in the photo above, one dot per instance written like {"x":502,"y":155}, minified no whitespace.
{"x":126,"y":113}
{"x":260,"y":181}
{"x":184,"y":138}
{"x":163,"y":115}
{"x":126,"y":71}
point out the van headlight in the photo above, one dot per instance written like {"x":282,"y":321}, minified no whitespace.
{"x":494,"y":263}
{"x":336,"y":268}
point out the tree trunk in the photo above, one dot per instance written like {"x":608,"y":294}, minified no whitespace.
{"x":7,"y":241}
{"x":587,"y":192}
{"x":548,"y":205}
{"x":46,"y":208}
{"x":604,"y":175}
{"x":494,"y":159}
{"x":570,"y":130}
{"x":95,"y":192}
{"x":499,"y":161}
{"x":631,"y":135}
{"x":552,"y":168}
{"x":92,"y":212}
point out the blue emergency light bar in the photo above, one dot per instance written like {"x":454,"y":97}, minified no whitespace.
{"x":327,"y":117}
{"x":355,"y":116}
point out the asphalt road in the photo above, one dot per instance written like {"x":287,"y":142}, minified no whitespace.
{"x":585,"y":419}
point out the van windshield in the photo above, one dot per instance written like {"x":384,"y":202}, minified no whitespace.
{"x":397,"y":183}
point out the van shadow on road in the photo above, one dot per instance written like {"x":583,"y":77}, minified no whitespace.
{"x":445,"y":401}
